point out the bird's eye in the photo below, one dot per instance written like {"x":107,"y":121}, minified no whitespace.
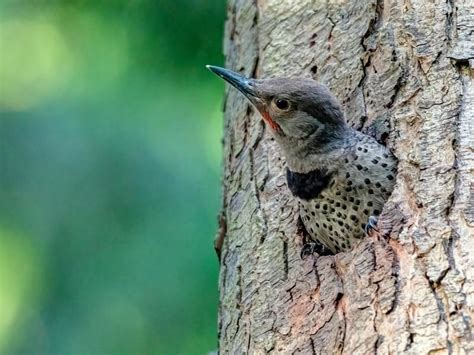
{"x":282,"y":104}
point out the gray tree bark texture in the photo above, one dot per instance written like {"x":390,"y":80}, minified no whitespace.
{"x":403,"y":70}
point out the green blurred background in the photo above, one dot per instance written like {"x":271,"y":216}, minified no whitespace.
{"x":110,"y":130}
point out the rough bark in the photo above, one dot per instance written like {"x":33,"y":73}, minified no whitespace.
{"x":404,"y":71}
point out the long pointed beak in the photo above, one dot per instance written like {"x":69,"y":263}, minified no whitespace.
{"x":245,"y":85}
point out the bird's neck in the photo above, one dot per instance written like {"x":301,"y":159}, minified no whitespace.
{"x":315,"y":152}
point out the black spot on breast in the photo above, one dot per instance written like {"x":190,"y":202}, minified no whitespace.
{"x":307,"y":186}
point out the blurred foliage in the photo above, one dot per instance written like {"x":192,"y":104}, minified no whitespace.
{"x":110,"y":133}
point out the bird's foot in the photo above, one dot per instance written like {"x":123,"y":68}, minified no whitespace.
{"x":371,"y":225}
{"x":307,"y":250}
{"x":312,"y":248}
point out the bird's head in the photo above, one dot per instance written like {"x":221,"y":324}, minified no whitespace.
{"x":301,"y":113}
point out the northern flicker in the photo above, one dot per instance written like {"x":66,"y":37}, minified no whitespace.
{"x":340,"y":176}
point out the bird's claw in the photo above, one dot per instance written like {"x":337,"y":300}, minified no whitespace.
{"x":371,"y":225}
{"x":311,"y":248}
{"x":308,"y":249}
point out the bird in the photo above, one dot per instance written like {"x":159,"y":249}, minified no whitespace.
{"x":340,"y":176}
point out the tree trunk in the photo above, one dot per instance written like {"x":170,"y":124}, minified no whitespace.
{"x":403,"y":70}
